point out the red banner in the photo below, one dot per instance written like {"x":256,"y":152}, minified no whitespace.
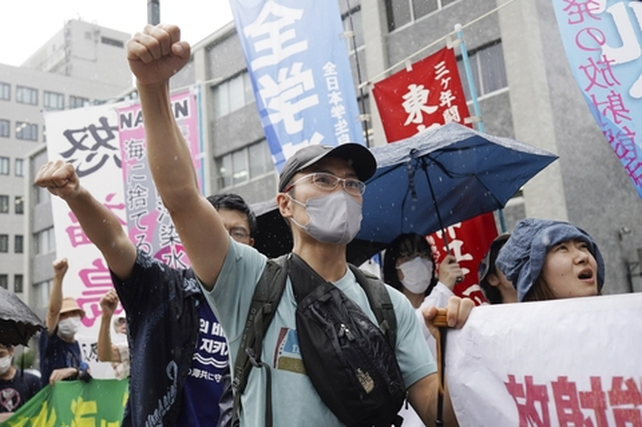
{"x":427,"y":95}
{"x":468,"y":241}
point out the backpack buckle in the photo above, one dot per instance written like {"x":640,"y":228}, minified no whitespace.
{"x":254,"y":360}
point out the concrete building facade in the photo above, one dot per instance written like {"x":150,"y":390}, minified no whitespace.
{"x":525,"y":90}
{"x":82,"y":65}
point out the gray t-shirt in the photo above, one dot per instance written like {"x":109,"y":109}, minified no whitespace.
{"x":294,"y":399}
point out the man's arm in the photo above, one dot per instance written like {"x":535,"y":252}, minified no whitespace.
{"x":154,"y":56}
{"x":60,"y":267}
{"x":101,"y":225}
{"x":107,"y":352}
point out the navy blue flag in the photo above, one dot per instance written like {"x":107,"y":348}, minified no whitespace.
{"x":298,"y":63}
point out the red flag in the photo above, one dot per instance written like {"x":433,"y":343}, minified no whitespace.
{"x":430,"y":94}
{"x":468,"y":242}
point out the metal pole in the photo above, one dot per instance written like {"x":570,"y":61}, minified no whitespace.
{"x":153,"y":12}
{"x":473,"y":94}
{"x":364,"y":126}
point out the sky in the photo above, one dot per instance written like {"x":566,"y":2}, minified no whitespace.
{"x":25,"y":25}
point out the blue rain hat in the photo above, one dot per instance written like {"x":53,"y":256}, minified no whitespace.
{"x":522,"y":257}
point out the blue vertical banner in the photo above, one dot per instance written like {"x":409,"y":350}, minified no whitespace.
{"x":603,"y":39}
{"x":298,"y":63}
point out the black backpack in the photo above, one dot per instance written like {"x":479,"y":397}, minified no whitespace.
{"x":350,"y":361}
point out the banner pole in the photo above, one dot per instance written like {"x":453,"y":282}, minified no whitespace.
{"x":473,"y":95}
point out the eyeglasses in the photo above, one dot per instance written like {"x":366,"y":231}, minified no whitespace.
{"x":239,"y":234}
{"x":328,"y":182}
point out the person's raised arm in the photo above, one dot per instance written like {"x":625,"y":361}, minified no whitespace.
{"x":154,"y":56}
{"x":60,"y":267}
{"x":101,"y":225}
{"x":107,"y":352}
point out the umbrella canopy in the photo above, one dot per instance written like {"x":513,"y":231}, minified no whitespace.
{"x":17,"y":322}
{"x":424,"y":183}
{"x":438,"y":178}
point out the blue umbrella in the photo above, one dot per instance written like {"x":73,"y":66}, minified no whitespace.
{"x":438,"y":178}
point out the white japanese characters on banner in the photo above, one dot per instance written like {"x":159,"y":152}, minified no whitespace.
{"x":106,"y":145}
{"x":553,"y":363}
{"x":298,"y":64}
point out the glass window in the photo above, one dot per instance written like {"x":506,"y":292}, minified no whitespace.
{"x":4,"y":204}
{"x":19,"y":167}
{"x":237,"y":93}
{"x":26,"y":95}
{"x":232,"y":94}
{"x":77,"y":101}
{"x":4,"y":243}
{"x":221,"y":105}
{"x":249,"y":91}
{"x":112,"y":42}
{"x":260,"y":159}
{"x":45,"y":241}
{"x":487,"y":68}
{"x":53,"y":100}
{"x":17,"y":283}
{"x":4,"y":165}
{"x":18,"y":242}
{"x":4,"y":281}
{"x":4,"y":128}
{"x":5,"y":91}
{"x":224,"y":168}
{"x":19,"y":205}
{"x":398,"y":13}
{"x":423,"y":7}
{"x":241,"y":170}
{"x":27,"y":131}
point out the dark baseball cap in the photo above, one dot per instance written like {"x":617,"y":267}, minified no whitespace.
{"x":357,"y":155}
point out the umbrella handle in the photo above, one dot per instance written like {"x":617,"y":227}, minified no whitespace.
{"x":440,"y":320}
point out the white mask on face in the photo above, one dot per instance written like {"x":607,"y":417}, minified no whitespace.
{"x":334,"y":218}
{"x":417,"y":274}
{"x":5,"y":364}
{"x":68,"y":327}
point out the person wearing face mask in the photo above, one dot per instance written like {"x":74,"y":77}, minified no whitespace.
{"x":16,"y":388}
{"x":60,"y":356}
{"x":409,"y":267}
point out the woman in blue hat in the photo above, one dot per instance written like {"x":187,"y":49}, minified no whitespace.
{"x":548,"y":260}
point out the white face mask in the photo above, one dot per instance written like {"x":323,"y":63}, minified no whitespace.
{"x":68,"y":327}
{"x":417,"y":274}
{"x":334,"y":218}
{"x":5,"y":364}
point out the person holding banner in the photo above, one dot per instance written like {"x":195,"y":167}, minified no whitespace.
{"x":324,"y":217}
{"x":550,"y":260}
{"x":60,"y":357}
{"x":178,"y":350}
{"x":15,"y":388}
{"x":108,"y":351}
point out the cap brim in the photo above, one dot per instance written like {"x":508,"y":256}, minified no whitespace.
{"x":359,"y":157}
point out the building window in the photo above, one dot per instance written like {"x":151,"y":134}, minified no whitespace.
{"x":402,"y":12}
{"x":232,"y":94}
{"x":488,"y":70}
{"x":45,"y":241}
{"x":77,"y":101}
{"x":4,"y":204}
{"x":17,"y":283}
{"x":4,"y":165}
{"x":112,"y":42}
{"x":54,"y":101}
{"x":19,"y":167}
{"x":5,"y":91}
{"x":4,"y":243}
{"x":244,"y":164}
{"x":26,"y":131}
{"x":19,"y":205}
{"x":26,"y":95}
{"x":4,"y":281}
{"x":4,"y":128}
{"x":18,"y":242}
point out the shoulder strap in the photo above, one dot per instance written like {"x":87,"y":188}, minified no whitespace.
{"x":380,"y":303}
{"x":265,"y":300}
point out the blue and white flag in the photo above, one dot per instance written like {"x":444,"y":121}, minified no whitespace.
{"x":298,"y":63}
{"x":603,"y":41}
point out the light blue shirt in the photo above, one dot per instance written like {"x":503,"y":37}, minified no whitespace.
{"x":294,"y":398}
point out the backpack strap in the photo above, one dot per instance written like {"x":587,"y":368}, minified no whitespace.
{"x":380,"y":303}
{"x":265,"y":300}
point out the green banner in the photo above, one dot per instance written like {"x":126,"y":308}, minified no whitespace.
{"x":98,"y":403}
